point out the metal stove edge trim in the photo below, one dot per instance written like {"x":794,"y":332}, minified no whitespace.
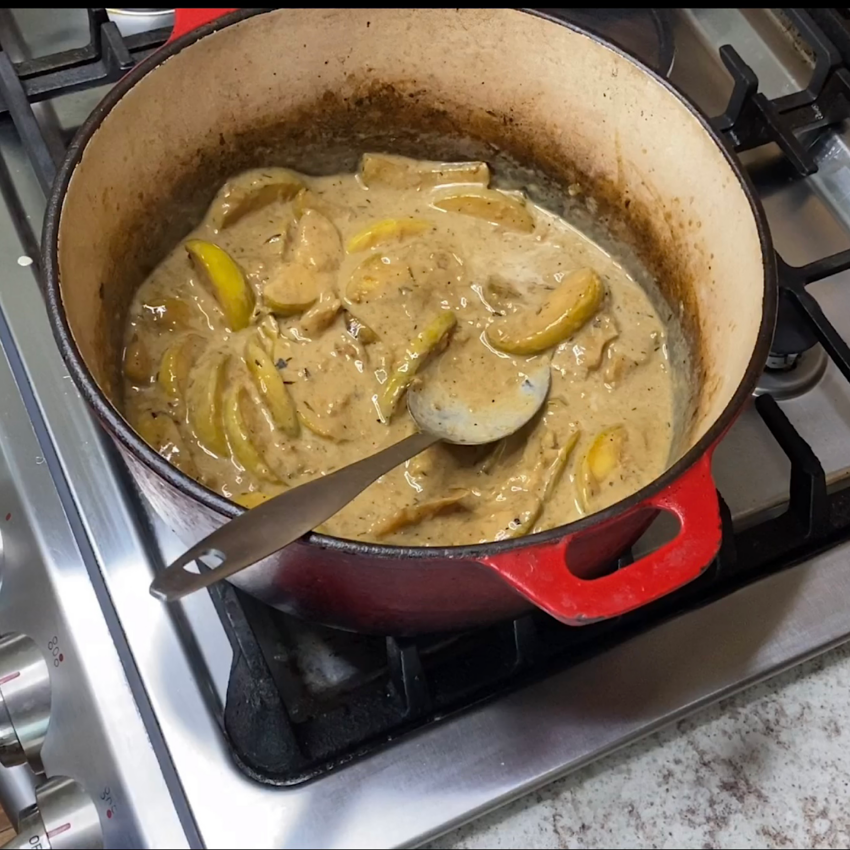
{"x":89,"y":654}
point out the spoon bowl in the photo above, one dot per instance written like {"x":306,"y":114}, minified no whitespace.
{"x":445,"y":413}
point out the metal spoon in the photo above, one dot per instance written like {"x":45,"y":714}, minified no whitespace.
{"x":262,"y":531}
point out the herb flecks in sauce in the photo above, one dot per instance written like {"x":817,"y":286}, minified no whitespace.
{"x":335,"y":293}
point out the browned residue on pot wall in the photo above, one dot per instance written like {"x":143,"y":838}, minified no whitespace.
{"x":497,"y":85}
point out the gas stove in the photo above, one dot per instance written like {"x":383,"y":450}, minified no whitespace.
{"x":218,"y":722}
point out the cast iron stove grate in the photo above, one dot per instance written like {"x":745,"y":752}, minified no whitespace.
{"x":289,"y":718}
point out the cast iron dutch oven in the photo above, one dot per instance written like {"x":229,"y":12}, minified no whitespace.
{"x":314,"y":88}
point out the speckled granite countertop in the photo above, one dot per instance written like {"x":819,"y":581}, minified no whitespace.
{"x":767,"y":768}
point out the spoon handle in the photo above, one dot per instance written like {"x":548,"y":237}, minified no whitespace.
{"x":270,"y":526}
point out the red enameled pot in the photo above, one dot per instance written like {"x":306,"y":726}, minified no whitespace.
{"x":314,"y":88}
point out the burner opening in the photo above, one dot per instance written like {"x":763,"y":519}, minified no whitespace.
{"x":782,"y":362}
{"x":792,"y":337}
{"x":792,"y":374}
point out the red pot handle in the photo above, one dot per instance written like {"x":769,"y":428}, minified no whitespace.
{"x":186,"y":20}
{"x":540,"y":573}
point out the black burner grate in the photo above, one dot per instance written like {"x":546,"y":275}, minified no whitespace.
{"x":288,"y":722}
{"x":751,"y":120}
{"x":25,"y":81}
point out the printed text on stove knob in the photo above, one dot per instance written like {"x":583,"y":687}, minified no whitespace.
{"x":24,"y":701}
{"x":63,"y":817}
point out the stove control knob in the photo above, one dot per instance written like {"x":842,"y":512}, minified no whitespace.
{"x":63,"y":817}
{"x":24,"y":701}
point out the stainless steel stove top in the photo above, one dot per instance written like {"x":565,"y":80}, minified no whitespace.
{"x":137,"y":698}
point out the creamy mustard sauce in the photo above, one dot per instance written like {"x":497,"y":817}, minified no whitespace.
{"x":344,"y":311}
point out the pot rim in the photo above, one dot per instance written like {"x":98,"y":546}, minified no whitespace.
{"x":131,"y":441}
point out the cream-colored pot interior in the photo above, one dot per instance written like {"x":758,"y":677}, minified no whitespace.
{"x":311,"y":89}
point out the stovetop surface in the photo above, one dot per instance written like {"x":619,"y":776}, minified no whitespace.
{"x":475,"y":759}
